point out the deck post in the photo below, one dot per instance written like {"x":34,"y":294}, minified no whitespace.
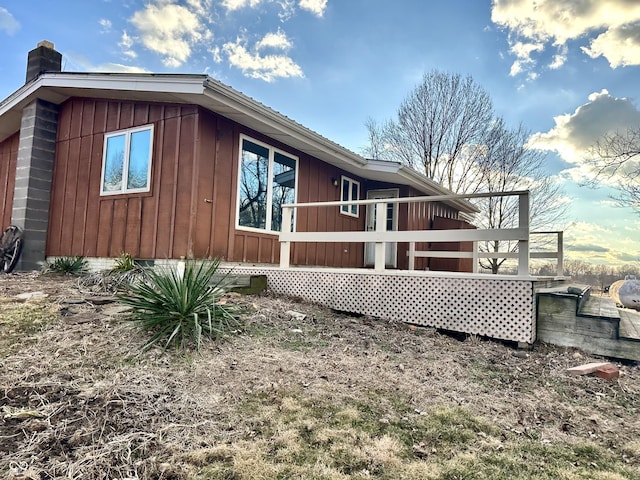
{"x":560,"y":266}
{"x":412,"y":255}
{"x":523,"y":245}
{"x":475,"y":257}
{"x":381,"y":226}
{"x":285,"y":247}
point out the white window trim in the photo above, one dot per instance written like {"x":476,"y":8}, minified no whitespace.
{"x":125,"y":166}
{"x":272,"y":151}
{"x":345,"y":209}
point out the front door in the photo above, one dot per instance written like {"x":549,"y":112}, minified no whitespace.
{"x":391,"y":249}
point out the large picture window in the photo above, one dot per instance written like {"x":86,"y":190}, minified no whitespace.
{"x":267,"y":180}
{"x":350,"y":191}
{"x":126,"y":161}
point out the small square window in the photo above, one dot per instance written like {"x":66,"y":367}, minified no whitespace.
{"x":350,"y":191}
{"x":126,"y":162}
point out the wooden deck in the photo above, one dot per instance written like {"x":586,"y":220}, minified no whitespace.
{"x":572,"y":317}
{"x":495,"y":306}
{"x":601,"y":307}
{"x":629,"y":324}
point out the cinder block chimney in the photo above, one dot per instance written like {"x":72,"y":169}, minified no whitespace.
{"x":42,"y":59}
{"x":34,"y":166}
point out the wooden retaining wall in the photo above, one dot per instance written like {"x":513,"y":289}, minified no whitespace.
{"x":591,"y":324}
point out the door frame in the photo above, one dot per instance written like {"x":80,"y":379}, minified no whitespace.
{"x":391,"y":250}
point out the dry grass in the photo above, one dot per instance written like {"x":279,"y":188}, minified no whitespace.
{"x":330,"y":397}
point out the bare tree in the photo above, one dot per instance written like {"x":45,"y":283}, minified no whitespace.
{"x":446,"y":129}
{"x":617,"y":155}
{"x":508,"y":165}
{"x":437,"y":129}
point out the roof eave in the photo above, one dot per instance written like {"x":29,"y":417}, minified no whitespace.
{"x":280,"y":127}
{"x":416,"y":180}
{"x":437,"y":189}
{"x":57,"y":87}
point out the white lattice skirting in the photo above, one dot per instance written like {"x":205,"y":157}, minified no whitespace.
{"x":497,"y":308}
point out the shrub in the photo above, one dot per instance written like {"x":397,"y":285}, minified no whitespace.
{"x":119,"y":277}
{"x":124,"y":263}
{"x":67,"y":265}
{"x":180,"y":309}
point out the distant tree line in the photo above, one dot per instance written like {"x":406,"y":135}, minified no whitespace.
{"x":598,"y":276}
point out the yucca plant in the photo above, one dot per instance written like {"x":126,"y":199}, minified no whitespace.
{"x":124,"y":263}
{"x":180,"y":309}
{"x":67,"y":265}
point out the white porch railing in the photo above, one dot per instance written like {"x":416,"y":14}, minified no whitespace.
{"x":557,"y":254}
{"x":380,"y":236}
{"x":476,"y":254}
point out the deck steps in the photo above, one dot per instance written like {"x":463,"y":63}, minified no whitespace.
{"x":629,"y":324}
{"x":242,"y":283}
{"x":602,"y":307}
{"x":572,"y":317}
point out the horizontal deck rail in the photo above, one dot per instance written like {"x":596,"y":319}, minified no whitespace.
{"x":475,"y":254}
{"x":380,"y":236}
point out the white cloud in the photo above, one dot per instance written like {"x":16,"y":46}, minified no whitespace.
{"x":105,"y":24}
{"x":556,"y":22}
{"x":608,"y":203}
{"x":559,"y":58}
{"x":176,"y":29}
{"x":172,"y":30}
{"x":80,"y":63}
{"x":621,"y":46}
{"x":119,"y":68}
{"x":238,"y":4}
{"x":288,"y":9}
{"x":317,"y":7}
{"x":575,"y":132}
{"x":575,"y":175}
{"x":201,"y":7}
{"x":276,"y":40}
{"x":7,"y":22}
{"x":265,"y":67}
{"x":593,"y":243}
{"x":216,"y":55}
{"x":125,"y":43}
{"x":523,"y":52}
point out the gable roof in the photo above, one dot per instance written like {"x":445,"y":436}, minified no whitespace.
{"x":211,"y":94}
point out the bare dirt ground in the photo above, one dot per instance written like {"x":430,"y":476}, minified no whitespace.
{"x":79,"y":402}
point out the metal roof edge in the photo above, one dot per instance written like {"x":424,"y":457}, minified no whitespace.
{"x":62,"y":80}
{"x":291,"y":126}
{"x":437,"y":189}
{"x":202,"y":84}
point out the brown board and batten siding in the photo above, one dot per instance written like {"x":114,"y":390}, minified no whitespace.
{"x":146,"y":225}
{"x":8,"y":161}
{"x":190,"y":209}
{"x":420,"y":216}
{"x":314,"y":185}
{"x":451,"y":264}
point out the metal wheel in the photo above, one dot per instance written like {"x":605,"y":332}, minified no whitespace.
{"x":10,"y":248}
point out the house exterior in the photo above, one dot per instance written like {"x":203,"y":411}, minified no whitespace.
{"x":182,"y":166}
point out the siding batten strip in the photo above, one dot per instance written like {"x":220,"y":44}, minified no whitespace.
{"x":194,"y":184}
{"x":214,"y":194}
{"x":157,"y":159}
{"x":174,"y":197}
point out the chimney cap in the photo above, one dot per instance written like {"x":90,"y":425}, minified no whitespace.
{"x":46,"y":43}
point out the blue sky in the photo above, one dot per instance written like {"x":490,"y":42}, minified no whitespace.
{"x":567,"y":70}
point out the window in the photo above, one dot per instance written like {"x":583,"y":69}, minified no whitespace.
{"x":350,"y":191}
{"x":267,"y":180}
{"x":126,"y":161}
